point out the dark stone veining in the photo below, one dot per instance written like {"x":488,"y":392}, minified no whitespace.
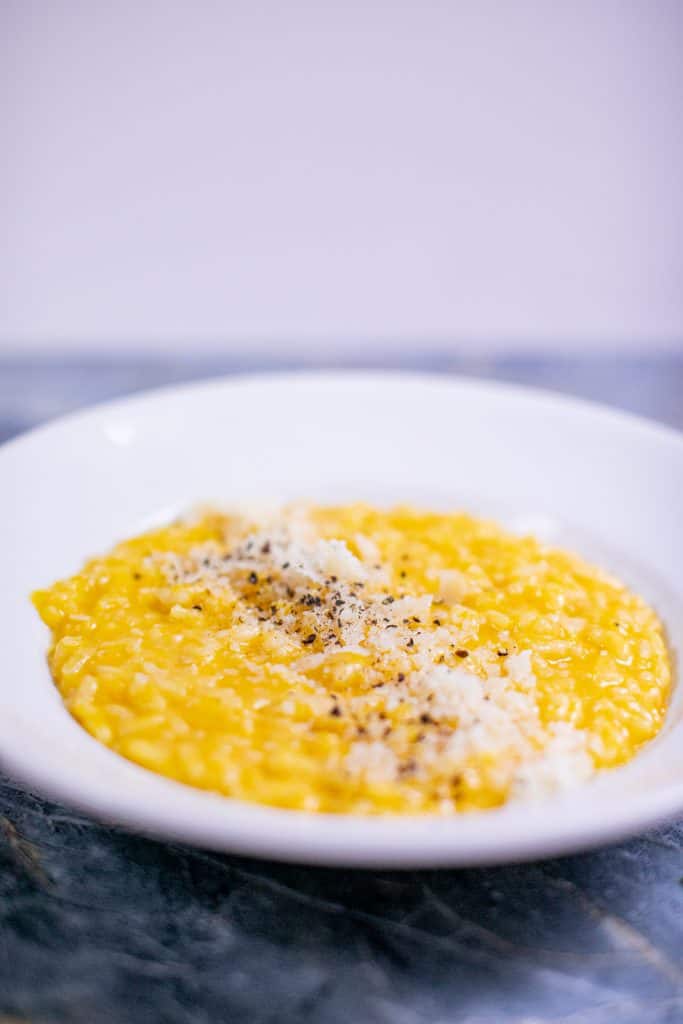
{"x":98,"y":926}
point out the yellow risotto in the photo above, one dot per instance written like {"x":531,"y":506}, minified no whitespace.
{"x":354,"y":659}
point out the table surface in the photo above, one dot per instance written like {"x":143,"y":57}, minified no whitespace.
{"x":98,"y":926}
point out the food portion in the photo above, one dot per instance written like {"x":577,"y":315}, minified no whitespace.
{"x":359,"y":660}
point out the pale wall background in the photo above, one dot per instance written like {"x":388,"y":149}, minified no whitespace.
{"x":486,"y":176}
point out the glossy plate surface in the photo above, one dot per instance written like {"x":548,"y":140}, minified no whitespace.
{"x":605,"y":484}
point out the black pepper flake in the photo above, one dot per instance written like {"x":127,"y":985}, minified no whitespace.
{"x":462,"y":653}
{"x":426,"y":719}
{"x":503,"y":654}
{"x":137,"y":575}
{"x":196,"y":607}
{"x":333,"y":579}
{"x":389,"y":600}
{"x":253,"y":578}
{"x":401,"y":677}
{"x":265,"y":550}
{"x":411,"y":643}
{"x":392,"y":627}
{"x":285,"y":565}
{"x":310,"y":639}
{"x":436,"y":622}
{"x":336,"y":711}
{"x":403,"y":574}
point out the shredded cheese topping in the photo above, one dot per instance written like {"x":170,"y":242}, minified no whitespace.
{"x":316,"y":593}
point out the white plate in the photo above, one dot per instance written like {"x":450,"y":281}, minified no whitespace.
{"x":607,"y":484}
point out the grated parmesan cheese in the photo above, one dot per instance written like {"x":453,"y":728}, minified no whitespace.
{"x":333,"y":606}
{"x":374,"y":761}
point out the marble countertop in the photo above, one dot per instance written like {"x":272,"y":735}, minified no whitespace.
{"x":98,"y":926}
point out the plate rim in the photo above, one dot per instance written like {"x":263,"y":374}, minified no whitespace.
{"x":239,"y":378}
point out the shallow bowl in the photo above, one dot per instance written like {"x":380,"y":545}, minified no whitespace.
{"x":608,"y":485}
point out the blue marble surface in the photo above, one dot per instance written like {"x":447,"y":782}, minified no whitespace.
{"x":101,"y":927}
